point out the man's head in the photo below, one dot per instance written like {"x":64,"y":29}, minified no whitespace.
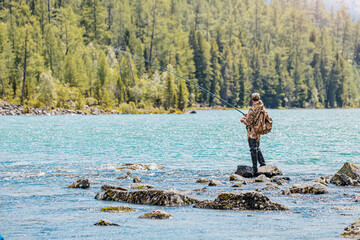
{"x":255,"y":97}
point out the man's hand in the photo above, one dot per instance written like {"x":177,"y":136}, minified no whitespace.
{"x":245,"y":115}
{"x":242,"y":120}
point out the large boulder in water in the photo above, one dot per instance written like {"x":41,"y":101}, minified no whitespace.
{"x":244,"y":171}
{"x":269,"y":171}
{"x":352,"y":231}
{"x":306,"y":187}
{"x":349,"y":174}
{"x":166,"y":198}
{"x":251,"y":200}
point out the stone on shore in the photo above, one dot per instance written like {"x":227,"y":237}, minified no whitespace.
{"x":269,"y":171}
{"x":214,"y":183}
{"x":145,"y":197}
{"x":104,"y":222}
{"x":118,"y":209}
{"x":202,"y":180}
{"x":306,"y":188}
{"x":251,"y":200}
{"x":81,"y":183}
{"x":244,"y":171}
{"x":352,"y":231}
{"x":235,"y":177}
{"x":262,"y":178}
{"x":156,"y":214}
{"x":141,"y":166}
{"x":349,"y":174}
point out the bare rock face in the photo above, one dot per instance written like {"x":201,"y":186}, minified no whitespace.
{"x":349,"y":174}
{"x":352,"y":231}
{"x":156,"y":214}
{"x":244,"y":171}
{"x":141,"y":166}
{"x":251,"y":200}
{"x":104,"y":222}
{"x":262,"y":178}
{"x":202,"y":180}
{"x":81,"y":183}
{"x":235,"y":177}
{"x":146,"y":197}
{"x":269,"y":171}
{"x":306,"y":187}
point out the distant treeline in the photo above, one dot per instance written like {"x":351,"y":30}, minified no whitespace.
{"x":295,"y":53}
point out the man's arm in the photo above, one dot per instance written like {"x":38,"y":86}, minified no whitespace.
{"x":248,"y":121}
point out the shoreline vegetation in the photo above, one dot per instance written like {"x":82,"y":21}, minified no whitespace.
{"x":296,"y":54}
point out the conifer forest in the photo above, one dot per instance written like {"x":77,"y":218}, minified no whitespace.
{"x":63,"y":53}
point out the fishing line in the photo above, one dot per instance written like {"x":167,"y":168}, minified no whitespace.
{"x":165,"y":69}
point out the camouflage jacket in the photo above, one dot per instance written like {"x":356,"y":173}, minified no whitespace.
{"x":252,"y":119}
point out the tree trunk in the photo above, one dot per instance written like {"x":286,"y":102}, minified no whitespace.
{"x":3,"y":88}
{"x":130,"y":67}
{"x":24,"y":77}
{"x":49,"y":15}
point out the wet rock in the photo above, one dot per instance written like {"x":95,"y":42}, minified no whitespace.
{"x":81,"y":183}
{"x":118,"y":209}
{"x":282,"y":178}
{"x":244,"y":171}
{"x":251,"y":200}
{"x":352,"y":231}
{"x":202,"y":180}
{"x":269,"y":171}
{"x":137,"y":179}
{"x":349,"y":174}
{"x":156,"y":214}
{"x":262,"y":178}
{"x":146,"y":197}
{"x":237,"y":185}
{"x":141,"y":166}
{"x":107,"y":187}
{"x":125,"y":176}
{"x":214,"y":183}
{"x":141,"y":186}
{"x":235,"y":177}
{"x":321,"y":181}
{"x":306,"y":187}
{"x":247,"y":182}
{"x":104,"y":222}
{"x":270,"y":188}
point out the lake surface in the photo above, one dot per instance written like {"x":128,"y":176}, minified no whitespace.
{"x":41,"y":155}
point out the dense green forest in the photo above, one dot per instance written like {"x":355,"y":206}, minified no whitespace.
{"x":62,"y":53}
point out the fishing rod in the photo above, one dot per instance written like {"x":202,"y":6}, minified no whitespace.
{"x":165,"y":69}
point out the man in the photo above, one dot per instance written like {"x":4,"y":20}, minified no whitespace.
{"x":250,"y":120}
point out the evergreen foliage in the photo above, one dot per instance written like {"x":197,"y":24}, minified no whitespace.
{"x":295,"y":53}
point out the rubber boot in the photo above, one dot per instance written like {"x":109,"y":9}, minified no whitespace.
{"x":261,"y":158}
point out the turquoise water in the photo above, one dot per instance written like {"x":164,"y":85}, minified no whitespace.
{"x":41,"y":155}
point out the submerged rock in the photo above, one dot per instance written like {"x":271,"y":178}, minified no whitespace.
{"x":235,"y":177}
{"x":81,"y":183}
{"x":306,"y":187}
{"x":280,"y":178}
{"x":141,"y":166}
{"x":118,"y":209}
{"x":271,"y":187}
{"x":349,"y":174}
{"x":352,"y":231}
{"x":104,"y":222}
{"x":156,"y":214}
{"x":214,"y":183}
{"x":125,"y":176}
{"x":262,"y":178}
{"x":269,"y":171}
{"x":244,"y":171}
{"x":251,"y":200}
{"x":141,"y":186}
{"x":146,"y":197}
{"x":202,"y":180}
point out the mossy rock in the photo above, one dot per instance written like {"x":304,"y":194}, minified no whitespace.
{"x":349,"y":174}
{"x":306,"y":188}
{"x":117,"y":209}
{"x":81,"y":183}
{"x":237,"y":185}
{"x":104,"y":222}
{"x":156,"y":214}
{"x":141,"y":186}
{"x":270,"y":188}
{"x":202,"y":180}
{"x":235,"y":177}
{"x":352,"y":231}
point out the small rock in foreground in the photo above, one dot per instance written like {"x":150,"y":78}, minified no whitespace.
{"x":349,"y":174}
{"x":251,"y":200}
{"x":352,"y":231}
{"x":156,"y":214}
{"x":306,"y":187}
{"x":235,"y":177}
{"x":104,"y":222}
{"x":118,"y":209}
{"x":81,"y":183}
{"x":262,"y":178}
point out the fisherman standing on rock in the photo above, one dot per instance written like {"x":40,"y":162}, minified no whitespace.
{"x":257,"y":123}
